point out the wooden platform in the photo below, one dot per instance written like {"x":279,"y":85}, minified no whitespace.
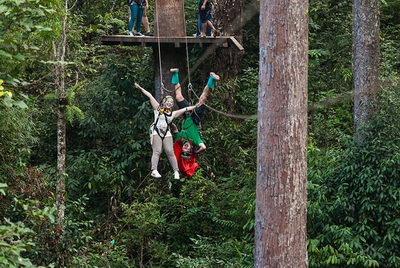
{"x":148,"y":41}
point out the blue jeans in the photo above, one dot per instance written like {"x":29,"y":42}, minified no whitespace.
{"x":136,"y":14}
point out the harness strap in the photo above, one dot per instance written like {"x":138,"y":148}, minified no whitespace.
{"x":160,"y":131}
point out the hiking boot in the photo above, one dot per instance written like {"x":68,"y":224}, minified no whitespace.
{"x":155,"y":174}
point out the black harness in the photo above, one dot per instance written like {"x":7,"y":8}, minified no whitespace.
{"x":161,"y":132}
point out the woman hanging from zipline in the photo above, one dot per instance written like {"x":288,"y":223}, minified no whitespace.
{"x":160,"y":134}
{"x":187,"y":142}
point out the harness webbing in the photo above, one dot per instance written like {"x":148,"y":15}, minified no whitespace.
{"x":160,"y":131}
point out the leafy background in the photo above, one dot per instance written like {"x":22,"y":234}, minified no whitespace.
{"x":117,"y":215}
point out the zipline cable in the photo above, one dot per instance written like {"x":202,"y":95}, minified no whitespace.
{"x":223,"y":113}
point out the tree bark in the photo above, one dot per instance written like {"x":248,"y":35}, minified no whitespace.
{"x":281,"y":194}
{"x":168,"y":18}
{"x":171,"y":57}
{"x":228,"y":18}
{"x":168,"y":21}
{"x":60,"y":52}
{"x":366,"y":62}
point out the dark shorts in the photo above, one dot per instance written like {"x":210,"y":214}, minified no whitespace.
{"x":197,"y":114}
{"x":205,"y":14}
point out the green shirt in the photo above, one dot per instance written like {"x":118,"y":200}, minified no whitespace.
{"x":189,"y":132}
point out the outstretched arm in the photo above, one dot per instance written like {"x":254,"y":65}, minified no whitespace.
{"x":153,"y":101}
{"x":183,"y":110}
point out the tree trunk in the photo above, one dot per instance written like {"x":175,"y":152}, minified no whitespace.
{"x":168,"y":22}
{"x":228,"y":18}
{"x":366,"y":62}
{"x":171,"y":57}
{"x":60,"y":51}
{"x":168,"y":18}
{"x":281,"y":197}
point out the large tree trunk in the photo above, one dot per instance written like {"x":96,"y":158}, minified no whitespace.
{"x":281,"y":212}
{"x":171,"y":57}
{"x":169,"y":22}
{"x":366,"y":62}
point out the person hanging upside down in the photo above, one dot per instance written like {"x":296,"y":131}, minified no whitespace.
{"x":160,"y":136}
{"x":187,"y":142}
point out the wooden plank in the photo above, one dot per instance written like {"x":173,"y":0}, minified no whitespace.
{"x":236,"y":43}
{"x":125,"y":40}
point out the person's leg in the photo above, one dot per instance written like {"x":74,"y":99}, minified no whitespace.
{"x":208,"y":31}
{"x":204,"y":95}
{"x":203,"y":29}
{"x":168,"y":146}
{"x":157,"y":147}
{"x":133,"y":14}
{"x":198,"y":26}
{"x":198,"y":113}
{"x":211,"y":26}
{"x":145,"y":21}
{"x":129,"y":20}
{"x":175,"y":81}
{"x":203,"y":19}
{"x":210,"y":85}
{"x":139,"y":19}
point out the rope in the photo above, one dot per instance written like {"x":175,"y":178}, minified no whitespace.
{"x":159,"y":52}
{"x":190,"y":87}
{"x":186,"y":44}
{"x":223,"y":113}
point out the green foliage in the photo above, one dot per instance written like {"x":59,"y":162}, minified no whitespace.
{"x":330,"y":70}
{"x":209,"y":253}
{"x":7,"y":100}
{"x":17,"y":239}
{"x":83,"y":249}
{"x":354,"y":204}
{"x":143,"y":224}
{"x":101,"y":254}
{"x":12,"y":245}
{"x":16,"y":140}
{"x":116,"y":214}
{"x":110,"y":151}
{"x":19,"y":20}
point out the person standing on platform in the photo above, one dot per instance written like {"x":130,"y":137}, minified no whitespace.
{"x":136,"y":9}
{"x":205,"y":7}
{"x":145,"y":20}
